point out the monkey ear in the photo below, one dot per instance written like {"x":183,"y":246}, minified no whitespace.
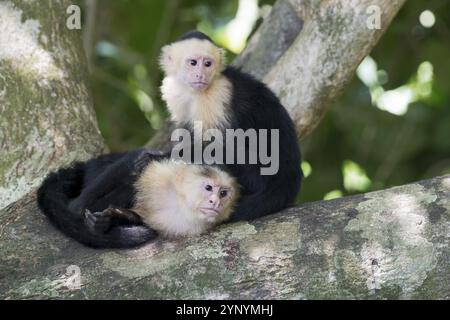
{"x":166,"y":59}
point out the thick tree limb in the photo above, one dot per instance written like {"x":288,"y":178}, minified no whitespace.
{"x":382,"y":245}
{"x":334,"y":39}
{"x":275,"y":35}
{"x":46,"y":115}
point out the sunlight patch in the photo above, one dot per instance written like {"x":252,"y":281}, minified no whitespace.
{"x":427,"y":19}
{"x":397,"y":251}
{"x":19,"y":45}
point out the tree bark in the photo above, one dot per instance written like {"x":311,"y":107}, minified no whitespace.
{"x":391,"y":244}
{"x":46,"y":114}
{"x":335,"y":38}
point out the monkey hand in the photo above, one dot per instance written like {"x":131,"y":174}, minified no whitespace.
{"x":102,"y":221}
{"x":98,"y":222}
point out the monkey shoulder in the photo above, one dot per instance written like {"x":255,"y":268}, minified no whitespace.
{"x":245,"y":86}
{"x":253,"y":104}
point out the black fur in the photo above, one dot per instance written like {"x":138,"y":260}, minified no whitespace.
{"x":194,"y":34}
{"x":73,"y":197}
{"x":253,"y":105}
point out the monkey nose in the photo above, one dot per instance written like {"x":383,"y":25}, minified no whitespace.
{"x":214,"y":201}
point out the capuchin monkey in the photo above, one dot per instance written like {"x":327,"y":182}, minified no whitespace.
{"x":124,"y":200}
{"x":102,"y":202}
{"x":199,"y":87}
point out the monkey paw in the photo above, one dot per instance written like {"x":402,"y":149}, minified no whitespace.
{"x":98,"y":222}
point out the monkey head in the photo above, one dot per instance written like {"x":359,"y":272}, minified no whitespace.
{"x":179,"y":199}
{"x":212,"y":194}
{"x":194,"y":60}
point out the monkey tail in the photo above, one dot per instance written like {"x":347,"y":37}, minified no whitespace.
{"x":53,"y":199}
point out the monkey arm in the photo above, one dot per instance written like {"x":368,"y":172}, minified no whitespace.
{"x":115,"y":179}
{"x":103,"y":184}
{"x":110,"y":206}
{"x":146,"y":156}
{"x":103,"y":221}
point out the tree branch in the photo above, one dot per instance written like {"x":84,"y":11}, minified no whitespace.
{"x":334,"y":39}
{"x":391,"y":244}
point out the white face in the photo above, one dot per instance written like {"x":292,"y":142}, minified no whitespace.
{"x":198,"y":72}
{"x":214,"y":199}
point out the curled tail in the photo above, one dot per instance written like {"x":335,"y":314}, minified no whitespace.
{"x":53,"y":199}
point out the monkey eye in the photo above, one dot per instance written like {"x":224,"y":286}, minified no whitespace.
{"x":208,"y":64}
{"x":193,"y":62}
{"x":223,"y":193}
{"x":208,"y":187}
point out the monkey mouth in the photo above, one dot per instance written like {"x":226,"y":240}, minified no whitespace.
{"x":210,"y":212}
{"x":199,"y":85}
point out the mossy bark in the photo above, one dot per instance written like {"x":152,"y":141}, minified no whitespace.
{"x":390,"y":244}
{"x":46,"y":115}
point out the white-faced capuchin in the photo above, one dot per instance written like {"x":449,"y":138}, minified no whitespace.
{"x":199,"y":87}
{"x":123,"y":200}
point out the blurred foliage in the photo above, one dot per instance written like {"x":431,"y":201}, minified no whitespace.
{"x":390,"y":127}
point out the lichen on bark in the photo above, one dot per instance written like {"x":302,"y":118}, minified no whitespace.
{"x":390,"y":244}
{"x":47,"y":119}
